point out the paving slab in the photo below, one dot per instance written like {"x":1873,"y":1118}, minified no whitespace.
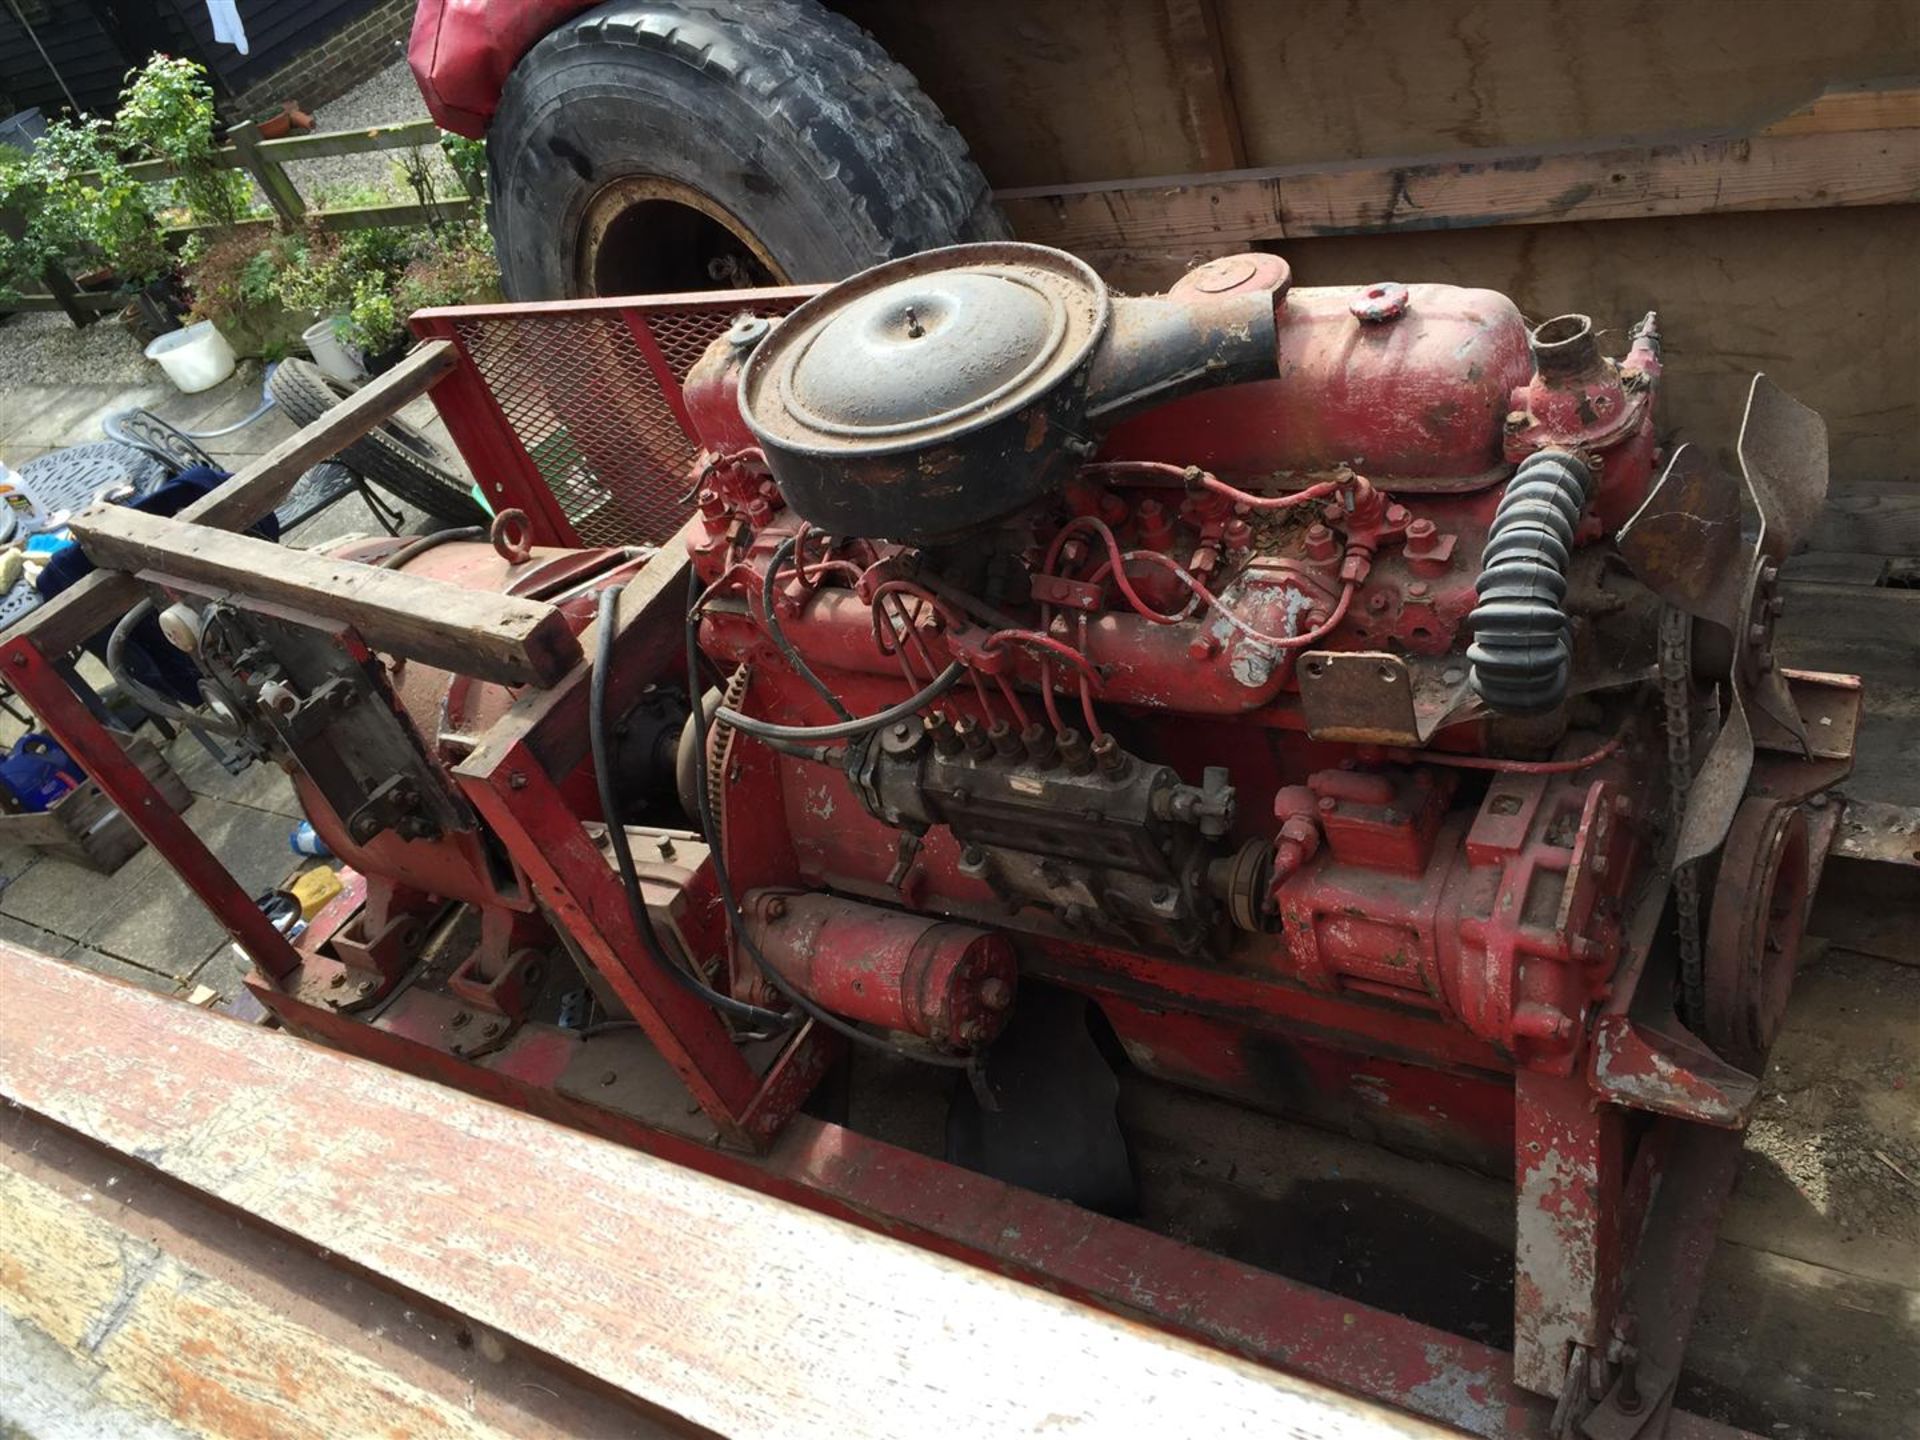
{"x":261,"y":786}
{"x":69,"y":899}
{"x":18,"y":932}
{"x":253,"y":843}
{"x":159,"y":923}
{"x":224,"y":972}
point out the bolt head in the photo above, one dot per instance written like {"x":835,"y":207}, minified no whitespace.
{"x":776,"y":908}
{"x":517,"y":780}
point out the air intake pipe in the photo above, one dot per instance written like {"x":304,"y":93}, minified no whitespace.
{"x":1521,"y":655}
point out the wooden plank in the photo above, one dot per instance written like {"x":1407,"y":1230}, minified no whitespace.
{"x":1836,"y":567}
{"x":282,"y":194}
{"x":1870,"y":517}
{"x":725,"y":1307}
{"x":156,"y":1341}
{"x":366,"y":217}
{"x":74,"y":615}
{"x":1611,"y":180}
{"x":135,"y":1305}
{"x":84,"y":300}
{"x":353,"y":217}
{"x":326,"y":144}
{"x":502,"y":638}
{"x":1854,"y":629}
{"x":320,"y":146}
{"x":1876,"y":105}
{"x":1211,"y":119}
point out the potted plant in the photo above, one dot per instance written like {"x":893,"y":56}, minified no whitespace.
{"x":346,"y":286}
{"x":283,"y":120}
{"x":78,"y":207}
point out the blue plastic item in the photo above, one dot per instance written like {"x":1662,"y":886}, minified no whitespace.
{"x":39,"y":772}
{"x":305,"y":840}
{"x":49,"y":541}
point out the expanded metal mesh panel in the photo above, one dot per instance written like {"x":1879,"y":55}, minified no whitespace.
{"x":589,"y":408}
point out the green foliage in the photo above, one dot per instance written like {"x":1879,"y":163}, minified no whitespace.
{"x":76,"y":201}
{"x":371,"y":280}
{"x":235,"y":279}
{"x":468,"y":159}
{"x":166,"y":112}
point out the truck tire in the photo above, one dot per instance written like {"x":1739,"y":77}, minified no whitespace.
{"x":651,"y":146}
{"x":396,"y":457}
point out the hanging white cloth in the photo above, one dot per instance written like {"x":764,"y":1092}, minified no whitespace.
{"x":227,"y":28}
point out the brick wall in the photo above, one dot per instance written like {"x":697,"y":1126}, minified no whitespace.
{"x":359,"y":49}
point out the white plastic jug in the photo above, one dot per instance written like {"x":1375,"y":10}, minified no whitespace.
{"x":196,"y":358}
{"x":339,"y":360}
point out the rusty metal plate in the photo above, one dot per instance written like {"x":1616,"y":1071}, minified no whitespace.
{"x":1358,"y":695}
{"x":1684,"y":542}
{"x":1876,"y":831}
{"x":1783,"y":453}
{"x":1828,"y":704}
{"x":1718,"y":787}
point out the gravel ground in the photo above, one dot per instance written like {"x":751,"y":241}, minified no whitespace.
{"x":388,"y":98}
{"x":43,"y":348}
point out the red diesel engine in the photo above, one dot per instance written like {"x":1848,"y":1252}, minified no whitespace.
{"x":1338,"y":697}
{"x":1264,"y":650}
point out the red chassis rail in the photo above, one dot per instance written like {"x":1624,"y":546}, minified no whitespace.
{"x":1572,"y":1170}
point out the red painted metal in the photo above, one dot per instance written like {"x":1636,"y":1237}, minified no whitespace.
{"x":461,"y":52}
{"x":1422,"y":395}
{"x":953,"y":984}
{"x":1247,"y":1311}
{"x":571,"y":410}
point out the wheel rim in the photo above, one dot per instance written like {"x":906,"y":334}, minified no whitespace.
{"x":1753,"y":935}
{"x":647,"y":235}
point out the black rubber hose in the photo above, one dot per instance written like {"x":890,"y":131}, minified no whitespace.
{"x":420,"y":544}
{"x":617,"y":833}
{"x":771,"y":734}
{"x":1522,"y":653}
{"x":723,"y":882}
{"x":152,"y":701}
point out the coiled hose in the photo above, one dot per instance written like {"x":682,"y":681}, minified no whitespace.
{"x":1521,"y":655}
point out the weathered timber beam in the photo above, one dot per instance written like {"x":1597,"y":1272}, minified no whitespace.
{"x":161,"y":1314}
{"x":1207,"y":109}
{"x":1801,"y":163}
{"x":502,"y":638}
{"x":72,"y":616}
{"x":727,"y":1308}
